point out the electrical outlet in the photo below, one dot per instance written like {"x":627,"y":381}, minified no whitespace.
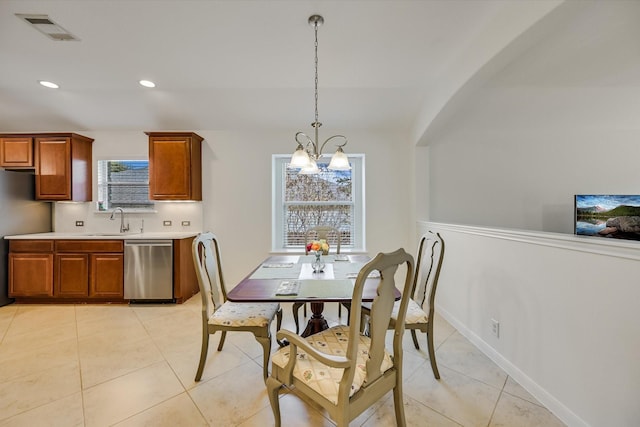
{"x":166,"y":223}
{"x":186,"y":223}
{"x":79,"y":223}
{"x":495,"y":328}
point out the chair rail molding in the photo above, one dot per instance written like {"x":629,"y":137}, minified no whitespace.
{"x":594,"y":245}
{"x":565,"y":303}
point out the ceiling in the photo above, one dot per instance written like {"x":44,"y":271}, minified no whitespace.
{"x":237,"y":65}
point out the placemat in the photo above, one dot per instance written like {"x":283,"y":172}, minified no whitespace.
{"x":342,"y":270}
{"x":269,"y":271}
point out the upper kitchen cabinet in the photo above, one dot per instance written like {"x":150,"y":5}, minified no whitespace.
{"x":63,"y":167}
{"x":16,"y":151}
{"x":175,"y":166}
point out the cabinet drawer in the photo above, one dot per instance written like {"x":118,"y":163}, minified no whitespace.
{"x":31,"y":245}
{"x":89,"y":245}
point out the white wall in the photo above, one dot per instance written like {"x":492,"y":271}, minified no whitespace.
{"x":527,"y":179}
{"x":237,"y":187}
{"x":130,"y":145}
{"x":558,"y":118}
{"x":567,"y":307}
{"x":237,"y":192}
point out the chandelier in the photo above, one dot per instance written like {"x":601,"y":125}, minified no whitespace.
{"x":309,"y":151}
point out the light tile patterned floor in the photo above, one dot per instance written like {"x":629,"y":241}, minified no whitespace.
{"x":118,"y":365}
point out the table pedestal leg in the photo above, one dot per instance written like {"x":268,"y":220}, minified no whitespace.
{"x":317,"y":322}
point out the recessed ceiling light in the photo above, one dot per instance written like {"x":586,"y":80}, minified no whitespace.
{"x":50,"y":85}
{"x":147,"y":83}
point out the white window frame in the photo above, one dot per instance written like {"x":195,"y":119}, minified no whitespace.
{"x":105,"y":205}
{"x":279,"y":162}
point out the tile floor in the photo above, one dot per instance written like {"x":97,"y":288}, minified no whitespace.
{"x":111,"y":365}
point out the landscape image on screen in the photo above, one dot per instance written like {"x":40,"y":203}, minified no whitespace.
{"x":612,"y":216}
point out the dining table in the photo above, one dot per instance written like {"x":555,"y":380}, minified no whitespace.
{"x":290,"y":278}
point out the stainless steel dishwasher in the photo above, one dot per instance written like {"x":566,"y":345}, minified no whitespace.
{"x":148,"y":270}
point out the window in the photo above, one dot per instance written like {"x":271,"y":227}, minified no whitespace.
{"x":334,"y":198}
{"x":123,"y":183}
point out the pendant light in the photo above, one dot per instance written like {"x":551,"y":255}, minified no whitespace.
{"x":309,"y":151}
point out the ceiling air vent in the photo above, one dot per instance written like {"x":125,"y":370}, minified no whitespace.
{"x":47,"y":27}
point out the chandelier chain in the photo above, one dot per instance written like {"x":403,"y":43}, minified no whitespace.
{"x":315,"y":26}
{"x":310,"y":150}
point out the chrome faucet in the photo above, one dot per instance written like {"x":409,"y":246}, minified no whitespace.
{"x":123,"y":228}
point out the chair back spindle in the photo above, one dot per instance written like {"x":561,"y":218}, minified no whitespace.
{"x":209,"y":273}
{"x":429,"y":264}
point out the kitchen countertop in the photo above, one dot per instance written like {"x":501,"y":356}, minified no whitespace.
{"x":104,"y":236}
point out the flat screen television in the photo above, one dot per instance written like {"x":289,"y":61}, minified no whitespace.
{"x":607,"y":215}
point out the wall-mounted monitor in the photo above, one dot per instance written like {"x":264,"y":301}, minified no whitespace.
{"x":608,"y":215}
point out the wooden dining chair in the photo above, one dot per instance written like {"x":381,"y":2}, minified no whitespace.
{"x":333,"y":237}
{"x":218,"y":314}
{"x":341,"y":369}
{"x":421,"y":308}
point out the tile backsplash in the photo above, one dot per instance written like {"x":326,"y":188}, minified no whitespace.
{"x":166,"y":217}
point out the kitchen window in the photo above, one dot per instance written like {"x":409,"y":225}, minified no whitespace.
{"x":124,"y":184}
{"x":334,"y":198}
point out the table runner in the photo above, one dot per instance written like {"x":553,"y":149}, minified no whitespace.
{"x":303,"y":270}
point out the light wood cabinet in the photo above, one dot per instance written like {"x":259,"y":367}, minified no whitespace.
{"x":31,"y":268}
{"x":59,"y":271}
{"x":16,"y":152}
{"x":90,"y":268}
{"x":63,"y":165}
{"x":185,"y":282}
{"x":107,"y":276}
{"x":72,"y":275}
{"x":175,"y":166}
{"x":66,"y":270}
{"x":95,"y":275}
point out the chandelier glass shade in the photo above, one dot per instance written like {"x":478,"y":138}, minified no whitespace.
{"x":309,"y":150}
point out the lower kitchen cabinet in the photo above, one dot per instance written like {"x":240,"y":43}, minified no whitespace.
{"x":66,"y":270}
{"x":89,"y":269}
{"x":72,"y":275}
{"x":59,"y":271}
{"x":94,"y":275}
{"x":31,"y":268}
{"x":185,"y":282}
{"x":107,"y":272}
{"x":30,"y":275}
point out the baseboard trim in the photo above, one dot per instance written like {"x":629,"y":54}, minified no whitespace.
{"x":551,"y":403}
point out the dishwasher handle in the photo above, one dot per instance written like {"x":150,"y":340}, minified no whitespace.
{"x":148,"y":242}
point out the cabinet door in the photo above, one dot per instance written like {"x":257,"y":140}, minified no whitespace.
{"x":107,"y":275}
{"x":16,"y":152}
{"x":184,"y":272}
{"x":53,"y":169}
{"x":72,"y":275}
{"x":30,"y":275}
{"x":170,"y":168}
